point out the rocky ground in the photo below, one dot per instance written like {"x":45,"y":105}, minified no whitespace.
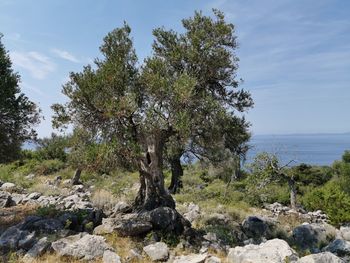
{"x":70,"y":227}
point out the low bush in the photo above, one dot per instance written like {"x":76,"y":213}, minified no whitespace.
{"x":331,"y":199}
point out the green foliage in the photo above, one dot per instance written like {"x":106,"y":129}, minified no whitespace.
{"x":331,"y":199}
{"x":273,"y":192}
{"x":346,"y":157}
{"x":49,"y":167}
{"x":48,"y":211}
{"x":17,"y":113}
{"x":186,"y":89}
{"x":223,"y":233}
{"x":54,"y":147}
{"x":312,"y":175}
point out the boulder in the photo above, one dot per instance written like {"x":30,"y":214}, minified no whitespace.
{"x":340,"y":247}
{"x":69,"y":220}
{"x":121,"y":207}
{"x":325,"y":257}
{"x":192,"y":258}
{"x":258,"y":227}
{"x":7,"y":186}
{"x":33,"y":196}
{"x":193,"y":212}
{"x":110,"y":257}
{"x":81,"y":246}
{"x":5,"y":199}
{"x":44,"y":226}
{"x":27,"y":240}
{"x":345,"y":232}
{"x":17,"y":198}
{"x":313,"y":236}
{"x":132,"y":225}
{"x":272,"y":251}
{"x":10,"y":238}
{"x":157,"y":252}
{"x":168,"y":219}
{"x":38,"y":249}
{"x":212,"y":259}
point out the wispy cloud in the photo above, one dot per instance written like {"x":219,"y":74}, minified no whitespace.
{"x":29,"y":87}
{"x":38,"y":65}
{"x":65,"y":55}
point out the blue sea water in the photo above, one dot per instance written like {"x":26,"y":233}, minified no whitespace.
{"x":318,"y":149}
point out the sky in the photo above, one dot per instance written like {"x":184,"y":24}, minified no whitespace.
{"x":294,"y":54}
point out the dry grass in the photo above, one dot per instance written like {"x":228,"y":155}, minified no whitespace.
{"x":54,"y":258}
{"x":123,"y":245}
{"x":103,"y":199}
{"x":13,"y":215}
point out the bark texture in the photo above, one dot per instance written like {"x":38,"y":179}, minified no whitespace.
{"x":152,"y":193}
{"x":176,"y":174}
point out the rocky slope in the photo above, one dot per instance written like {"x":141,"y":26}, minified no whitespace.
{"x":71,"y":226}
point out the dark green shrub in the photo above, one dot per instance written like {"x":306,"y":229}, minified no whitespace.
{"x":48,"y":211}
{"x":54,"y":147}
{"x":306,"y":174}
{"x":331,"y":199}
{"x":346,"y":157}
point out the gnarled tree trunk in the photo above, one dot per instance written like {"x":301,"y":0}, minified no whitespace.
{"x":152,"y":193}
{"x":176,"y":174}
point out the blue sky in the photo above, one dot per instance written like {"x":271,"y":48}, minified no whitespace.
{"x":294,"y":54}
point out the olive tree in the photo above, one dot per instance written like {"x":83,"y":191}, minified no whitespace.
{"x":267,"y":168}
{"x":142,"y":108}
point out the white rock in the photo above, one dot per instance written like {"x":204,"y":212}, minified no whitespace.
{"x":110,"y":257}
{"x":325,"y":257}
{"x":81,"y":246}
{"x":158,"y":251}
{"x":38,"y":249}
{"x":345,"y":232}
{"x":212,"y":259}
{"x":272,"y":251}
{"x":7,"y":186}
{"x":192,"y":258}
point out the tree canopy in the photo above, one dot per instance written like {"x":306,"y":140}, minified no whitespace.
{"x":18,"y":114}
{"x":179,"y":93}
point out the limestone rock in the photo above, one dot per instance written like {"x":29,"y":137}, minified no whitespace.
{"x":257,"y":227}
{"x":340,"y":247}
{"x":81,"y":246}
{"x":10,"y":238}
{"x":27,"y":240}
{"x":38,"y":249}
{"x":7,"y":186}
{"x":345,"y":232}
{"x":132,"y":226}
{"x":311,"y":236}
{"x":212,"y":259}
{"x":272,"y":251}
{"x":192,"y":258}
{"x":110,"y":257}
{"x":157,"y":252}
{"x":193,"y":212}
{"x":44,"y":226}
{"x":325,"y":257}
{"x":5,"y":199}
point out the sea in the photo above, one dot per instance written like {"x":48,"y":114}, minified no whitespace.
{"x":315,"y":149}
